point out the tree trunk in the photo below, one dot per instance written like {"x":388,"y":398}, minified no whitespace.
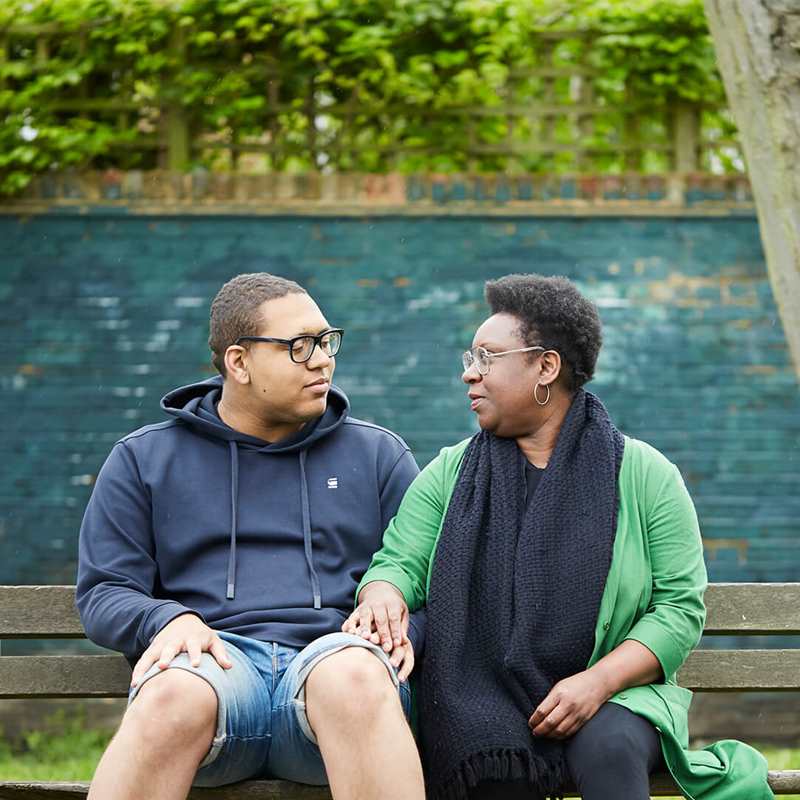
{"x":758,"y":51}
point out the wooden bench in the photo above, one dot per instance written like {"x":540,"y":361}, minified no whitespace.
{"x":48,"y":612}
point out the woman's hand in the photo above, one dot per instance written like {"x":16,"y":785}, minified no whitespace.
{"x":570,"y":704}
{"x":381,"y":616}
{"x":402,"y":659}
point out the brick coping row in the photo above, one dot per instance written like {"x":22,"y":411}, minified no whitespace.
{"x":392,"y":193}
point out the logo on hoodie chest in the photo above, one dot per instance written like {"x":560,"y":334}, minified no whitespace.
{"x":333,"y":483}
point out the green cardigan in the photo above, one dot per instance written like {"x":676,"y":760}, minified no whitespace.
{"x":653,"y":594}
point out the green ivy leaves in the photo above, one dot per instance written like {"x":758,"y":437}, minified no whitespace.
{"x":339,"y":84}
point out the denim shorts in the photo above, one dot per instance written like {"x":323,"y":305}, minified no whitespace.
{"x":262,"y":727}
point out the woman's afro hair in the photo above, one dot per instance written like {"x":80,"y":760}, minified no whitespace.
{"x":552,"y":314}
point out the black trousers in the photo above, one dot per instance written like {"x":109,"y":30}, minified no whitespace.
{"x":610,"y":757}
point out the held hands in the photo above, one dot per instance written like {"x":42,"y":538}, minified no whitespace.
{"x":381,"y":610}
{"x":186,"y":633}
{"x":382,"y":618}
{"x":570,"y":704}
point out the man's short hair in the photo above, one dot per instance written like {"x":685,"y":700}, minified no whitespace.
{"x":235,"y":310}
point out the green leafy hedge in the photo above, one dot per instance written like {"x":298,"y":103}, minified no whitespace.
{"x":367,"y":85}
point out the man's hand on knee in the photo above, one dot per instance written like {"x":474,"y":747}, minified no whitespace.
{"x":186,"y":633}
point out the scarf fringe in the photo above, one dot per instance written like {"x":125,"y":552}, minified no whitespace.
{"x":545,"y":777}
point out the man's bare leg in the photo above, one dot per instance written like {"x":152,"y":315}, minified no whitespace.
{"x":366,"y":744}
{"x":165,"y":734}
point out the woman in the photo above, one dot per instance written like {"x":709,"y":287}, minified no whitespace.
{"x":562,"y":569}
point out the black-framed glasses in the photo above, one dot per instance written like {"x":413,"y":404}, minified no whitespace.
{"x":481,"y":357}
{"x":301,"y":348}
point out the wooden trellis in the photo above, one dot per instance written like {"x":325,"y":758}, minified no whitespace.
{"x":549,"y":115}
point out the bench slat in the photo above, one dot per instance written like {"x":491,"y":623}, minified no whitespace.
{"x":248,"y":790}
{"x":39,"y":612}
{"x":753,"y":608}
{"x":42,"y":612}
{"x":741,"y":670}
{"x":782,"y":782}
{"x":63,"y":676}
{"x":786,"y":781}
{"x":108,"y":676}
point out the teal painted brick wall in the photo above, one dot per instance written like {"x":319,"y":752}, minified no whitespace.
{"x":103,"y":313}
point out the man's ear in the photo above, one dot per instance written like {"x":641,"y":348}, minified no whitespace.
{"x":236,"y":364}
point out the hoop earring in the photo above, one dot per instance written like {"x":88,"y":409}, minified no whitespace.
{"x":536,"y":396}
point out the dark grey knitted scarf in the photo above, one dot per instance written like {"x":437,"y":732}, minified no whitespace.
{"x":513,"y":602}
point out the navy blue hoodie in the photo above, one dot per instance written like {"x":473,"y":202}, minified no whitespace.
{"x":264,"y":540}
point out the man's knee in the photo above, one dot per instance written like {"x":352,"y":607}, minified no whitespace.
{"x":352,"y":682}
{"x":175,"y":707}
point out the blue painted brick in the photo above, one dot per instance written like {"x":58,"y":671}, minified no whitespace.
{"x":103,"y":313}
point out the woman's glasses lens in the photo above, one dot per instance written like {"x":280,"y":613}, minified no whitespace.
{"x":478,"y":357}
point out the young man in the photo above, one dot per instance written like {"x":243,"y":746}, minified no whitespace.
{"x":220,"y":552}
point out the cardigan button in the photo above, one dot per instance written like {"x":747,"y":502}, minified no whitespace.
{"x":606,"y":626}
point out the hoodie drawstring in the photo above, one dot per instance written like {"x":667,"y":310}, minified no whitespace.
{"x":234,"y":505}
{"x":307,"y":532}
{"x":306,"y":507}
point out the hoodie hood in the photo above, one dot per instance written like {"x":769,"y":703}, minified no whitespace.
{"x":196,"y":403}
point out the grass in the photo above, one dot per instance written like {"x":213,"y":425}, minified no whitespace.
{"x":72,"y":753}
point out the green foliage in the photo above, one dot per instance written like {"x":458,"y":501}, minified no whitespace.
{"x":370,"y":85}
{"x":68,"y":752}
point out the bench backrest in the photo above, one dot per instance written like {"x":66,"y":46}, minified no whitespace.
{"x":741,"y":609}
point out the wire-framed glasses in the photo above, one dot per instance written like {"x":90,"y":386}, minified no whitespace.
{"x":480,"y":357}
